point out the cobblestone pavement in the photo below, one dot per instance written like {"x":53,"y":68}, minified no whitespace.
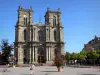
{"x":50,"y":70}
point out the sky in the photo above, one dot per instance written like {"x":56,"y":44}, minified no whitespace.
{"x":80,"y":18}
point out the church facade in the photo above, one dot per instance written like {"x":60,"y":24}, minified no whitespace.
{"x":38,"y":43}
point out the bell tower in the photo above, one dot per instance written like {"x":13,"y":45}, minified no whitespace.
{"x":24,"y":16}
{"x":54,"y":29}
{"x":22,"y":32}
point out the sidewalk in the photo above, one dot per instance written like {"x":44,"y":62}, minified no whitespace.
{"x":3,"y":66}
{"x":50,"y":70}
{"x":83,"y":66}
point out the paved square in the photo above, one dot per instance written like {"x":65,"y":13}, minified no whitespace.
{"x":50,"y":70}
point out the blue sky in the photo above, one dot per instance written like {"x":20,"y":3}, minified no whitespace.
{"x":80,"y":18}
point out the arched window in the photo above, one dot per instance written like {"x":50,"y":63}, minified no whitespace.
{"x":54,"y":21}
{"x":31,"y":34}
{"x":25,"y":20}
{"x":40,"y":34}
{"x":55,"y":35}
{"x":41,"y":51}
{"x":34,"y":33}
{"x":25,"y":35}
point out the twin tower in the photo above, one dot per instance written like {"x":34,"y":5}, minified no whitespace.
{"x":38,"y":43}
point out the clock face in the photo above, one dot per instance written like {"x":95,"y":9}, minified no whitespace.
{"x":25,"y":16}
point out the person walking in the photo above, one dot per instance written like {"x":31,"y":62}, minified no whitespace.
{"x":32,"y":68}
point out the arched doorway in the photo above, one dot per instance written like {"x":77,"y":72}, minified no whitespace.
{"x":41,"y":55}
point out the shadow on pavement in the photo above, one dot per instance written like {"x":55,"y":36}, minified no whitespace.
{"x":90,"y":74}
{"x":49,"y":71}
{"x":25,"y":74}
{"x":50,"y":68}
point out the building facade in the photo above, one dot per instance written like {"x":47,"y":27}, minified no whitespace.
{"x":93,"y":44}
{"x":38,"y":43}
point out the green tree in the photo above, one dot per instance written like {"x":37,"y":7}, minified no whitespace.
{"x":74,"y":56}
{"x":82,"y":55}
{"x":67,"y":57}
{"x":6,"y":49}
{"x":92,"y":55}
{"x":98,"y":52}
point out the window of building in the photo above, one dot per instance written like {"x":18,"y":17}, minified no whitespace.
{"x":47,"y":35}
{"x":40,"y":34}
{"x":41,"y":51}
{"x":54,"y":21}
{"x":34,"y":33}
{"x":55,"y":35}
{"x":25,"y":20}
{"x":25,"y":35}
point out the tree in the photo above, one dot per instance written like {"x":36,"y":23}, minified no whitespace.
{"x":67,"y":56}
{"x":98,"y":52}
{"x":82,"y":55}
{"x":92,"y":55}
{"x":98,"y":59}
{"x":6,"y":49}
{"x":74,"y":56}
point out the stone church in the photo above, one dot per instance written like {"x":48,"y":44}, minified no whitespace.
{"x":38,"y":43}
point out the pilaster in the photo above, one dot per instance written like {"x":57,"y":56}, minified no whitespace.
{"x":30,"y":54}
{"x":36,"y":55}
{"x":46,"y":53}
{"x":33,"y":54}
{"x":20,"y":55}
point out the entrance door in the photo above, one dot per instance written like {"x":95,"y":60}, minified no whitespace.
{"x":41,"y":59}
{"x":41,"y":55}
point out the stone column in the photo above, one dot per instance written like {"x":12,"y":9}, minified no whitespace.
{"x":20,"y":56}
{"x":49,"y":52}
{"x":46,"y":53}
{"x":30,"y":54}
{"x":36,"y":54}
{"x":33,"y":53}
{"x":52,"y":54}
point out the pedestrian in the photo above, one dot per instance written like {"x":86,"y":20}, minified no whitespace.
{"x":32,"y":68}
